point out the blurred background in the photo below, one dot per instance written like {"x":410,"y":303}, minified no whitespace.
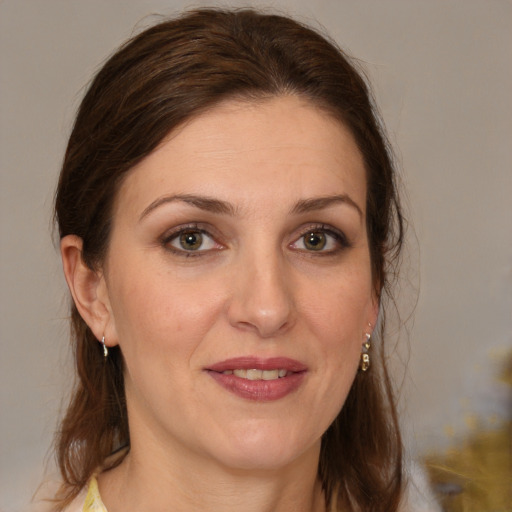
{"x":442,"y":78}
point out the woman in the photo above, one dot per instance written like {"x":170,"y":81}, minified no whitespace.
{"x":228,"y":221}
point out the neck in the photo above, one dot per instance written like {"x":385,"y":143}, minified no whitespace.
{"x":147,"y":481}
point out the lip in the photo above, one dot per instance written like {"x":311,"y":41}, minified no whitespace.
{"x":259,"y":390}
{"x":258,"y":363}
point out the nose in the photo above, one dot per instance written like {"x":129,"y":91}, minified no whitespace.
{"x":262,"y":298}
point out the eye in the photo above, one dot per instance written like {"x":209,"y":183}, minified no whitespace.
{"x":314,"y":241}
{"x":321,"y":240}
{"x":191,"y":240}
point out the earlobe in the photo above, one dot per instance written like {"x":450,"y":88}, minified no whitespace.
{"x":87,"y":286}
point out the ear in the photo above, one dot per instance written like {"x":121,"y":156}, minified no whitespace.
{"x":87,"y":287}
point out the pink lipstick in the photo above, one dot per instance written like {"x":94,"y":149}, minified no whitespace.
{"x":259,"y":379}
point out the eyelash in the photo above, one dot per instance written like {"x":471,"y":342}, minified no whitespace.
{"x":339,"y":237}
{"x":176,"y":233}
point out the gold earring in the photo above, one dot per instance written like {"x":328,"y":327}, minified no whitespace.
{"x":365,"y":356}
{"x":105,"y":349}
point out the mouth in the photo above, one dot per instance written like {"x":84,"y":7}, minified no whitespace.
{"x":259,"y":379}
{"x":255,"y":374}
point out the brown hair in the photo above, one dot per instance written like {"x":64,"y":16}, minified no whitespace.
{"x":163,"y":76}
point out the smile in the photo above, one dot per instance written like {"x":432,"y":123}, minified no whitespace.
{"x":262,"y":380}
{"x":255,"y":374}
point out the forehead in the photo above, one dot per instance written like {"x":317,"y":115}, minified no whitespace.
{"x":264,"y":151}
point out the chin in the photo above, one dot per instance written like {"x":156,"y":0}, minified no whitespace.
{"x":257,"y":461}
{"x":266,"y":451}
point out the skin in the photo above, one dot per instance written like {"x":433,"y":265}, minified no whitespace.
{"x":254,"y":288}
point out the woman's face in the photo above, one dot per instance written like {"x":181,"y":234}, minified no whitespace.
{"x":238,"y":284}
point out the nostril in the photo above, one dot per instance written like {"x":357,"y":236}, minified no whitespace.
{"x":264,"y":329}
{"x":262,"y":301}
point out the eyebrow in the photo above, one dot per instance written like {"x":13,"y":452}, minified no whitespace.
{"x":212,"y":205}
{"x":205,"y":203}
{"x":319,"y":203}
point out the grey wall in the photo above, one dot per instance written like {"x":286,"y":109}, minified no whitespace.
{"x":442,"y":75}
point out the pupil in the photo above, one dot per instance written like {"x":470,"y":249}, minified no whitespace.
{"x":315,"y":241}
{"x":191,"y":240}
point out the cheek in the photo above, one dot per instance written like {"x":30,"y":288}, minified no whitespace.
{"x":340,"y":307}
{"x":161,"y":310}
{"x":337,"y":315}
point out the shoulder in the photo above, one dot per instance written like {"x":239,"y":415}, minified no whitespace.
{"x":50,"y":504}
{"x":418,"y":496}
{"x":88,"y":500}
{"x":77,"y":505}
{"x":93,"y":501}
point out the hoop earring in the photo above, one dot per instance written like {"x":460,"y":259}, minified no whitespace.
{"x":105,"y":349}
{"x":365,"y":356}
